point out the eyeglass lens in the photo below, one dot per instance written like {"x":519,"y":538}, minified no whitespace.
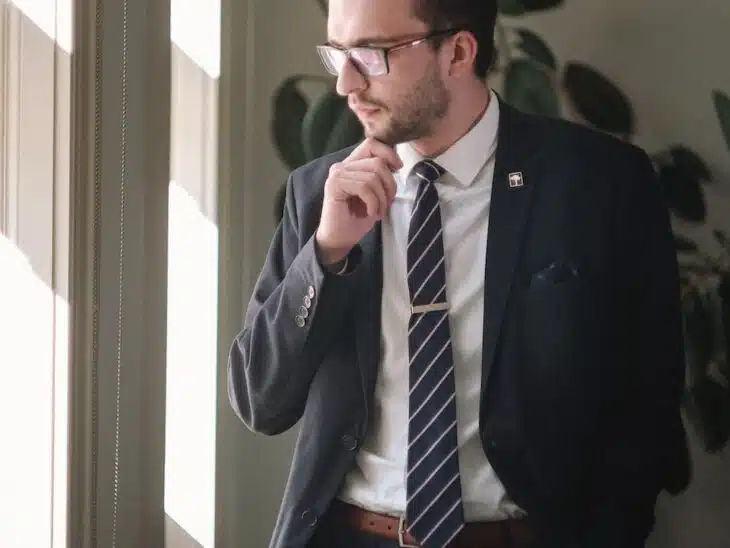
{"x":370,"y":61}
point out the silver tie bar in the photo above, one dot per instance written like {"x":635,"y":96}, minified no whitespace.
{"x":433,"y":307}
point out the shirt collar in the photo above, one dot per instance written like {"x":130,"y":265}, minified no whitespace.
{"x":465,"y":158}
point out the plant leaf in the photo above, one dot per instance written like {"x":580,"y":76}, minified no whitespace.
{"x":723,"y":291}
{"x":699,"y":332}
{"x":511,"y":7}
{"x":684,"y":194}
{"x":540,"y":5}
{"x":708,"y":409}
{"x":529,"y":88}
{"x":598,"y":100}
{"x":348,"y":131}
{"x":323,"y":5}
{"x":536,"y":48}
{"x":689,"y":162}
{"x":722,"y":107}
{"x":290,"y":107}
{"x":683,"y":244}
{"x":722,"y":239}
{"x":319,"y":122}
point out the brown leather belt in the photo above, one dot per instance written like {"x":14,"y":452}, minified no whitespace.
{"x":511,"y":533}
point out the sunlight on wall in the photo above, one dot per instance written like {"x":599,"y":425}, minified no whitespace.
{"x":28,"y":310}
{"x":192,"y":298}
{"x":195,"y":28}
{"x":54,"y":17}
{"x":191,"y":367}
{"x":60,"y":423}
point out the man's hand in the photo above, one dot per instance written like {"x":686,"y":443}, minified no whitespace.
{"x":358,"y":193}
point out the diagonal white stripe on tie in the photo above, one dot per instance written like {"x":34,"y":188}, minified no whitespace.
{"x":434,"y":510}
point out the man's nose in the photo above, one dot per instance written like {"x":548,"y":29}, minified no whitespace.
{"x":350,"y":79}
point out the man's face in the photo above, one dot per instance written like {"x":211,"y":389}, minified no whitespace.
{"x":404,"y":104}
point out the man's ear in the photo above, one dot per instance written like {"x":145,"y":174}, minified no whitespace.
{"x":464,"y":48}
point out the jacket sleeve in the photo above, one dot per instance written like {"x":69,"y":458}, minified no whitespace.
{"x":291,"y":318}
{"x":644,"y":447}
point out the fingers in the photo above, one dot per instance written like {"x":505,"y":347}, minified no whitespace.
{"x":368,"y":175}
{"x":370,"y":168}
{"x":365,"y":185}
{"x":377,"y":166}
{"x":372,"y":148}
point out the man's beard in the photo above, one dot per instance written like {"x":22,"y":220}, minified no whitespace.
{"x":414,"y":116}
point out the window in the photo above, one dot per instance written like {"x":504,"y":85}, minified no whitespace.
{"x":192,"y":272}
{"x":35,"y":48}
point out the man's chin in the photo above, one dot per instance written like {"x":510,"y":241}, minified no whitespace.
{"x":387,"y":133}
{"x":388,"y":137}
{"x":381,"y":133}
{"x":382,"y":136}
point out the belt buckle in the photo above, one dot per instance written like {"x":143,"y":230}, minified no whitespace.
{"x":402,"y":532}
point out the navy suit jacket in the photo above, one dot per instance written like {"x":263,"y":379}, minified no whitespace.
{"x":583,"y":360}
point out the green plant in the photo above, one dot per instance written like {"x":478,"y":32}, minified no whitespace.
{"x":534,"y":80}
{"x":722,"y":107}
{"x":304,"y":129}
{"x":706,"y":304}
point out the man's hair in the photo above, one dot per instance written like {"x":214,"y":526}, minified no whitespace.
{"x":476,"y":16}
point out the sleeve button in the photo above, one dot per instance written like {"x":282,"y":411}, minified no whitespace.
{"x":309,"y":518}
{"x":349,"y":442}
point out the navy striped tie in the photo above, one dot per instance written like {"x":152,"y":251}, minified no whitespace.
{"x":434,"y":512}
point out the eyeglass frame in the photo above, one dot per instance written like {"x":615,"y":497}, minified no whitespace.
{"x":384,"y":51}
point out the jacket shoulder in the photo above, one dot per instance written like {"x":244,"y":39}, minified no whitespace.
{"x":563,"y":137}
{"x":571,"y":141}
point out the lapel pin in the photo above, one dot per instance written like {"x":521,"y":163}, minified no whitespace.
{"x":516,"y":180}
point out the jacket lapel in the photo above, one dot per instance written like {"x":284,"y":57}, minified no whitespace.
{"x":368,"y":323}
{"x":511,"y":197}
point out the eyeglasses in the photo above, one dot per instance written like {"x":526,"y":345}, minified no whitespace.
{"x":369,"y":60}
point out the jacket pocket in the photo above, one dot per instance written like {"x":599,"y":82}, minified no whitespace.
{"x":558,"y":272}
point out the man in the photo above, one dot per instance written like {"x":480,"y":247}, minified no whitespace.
{"x":473,"y":314}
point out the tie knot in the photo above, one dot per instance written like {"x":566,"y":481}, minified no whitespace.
{"x":428,"y":170}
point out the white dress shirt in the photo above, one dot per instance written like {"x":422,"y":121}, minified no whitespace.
{"x":377,"y":482}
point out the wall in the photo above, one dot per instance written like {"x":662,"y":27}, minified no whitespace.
{"x":666,"y":56}
{"x":298,"y":26}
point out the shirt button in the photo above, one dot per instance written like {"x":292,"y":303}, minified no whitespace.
{"x":310,"y":292}
{"x":309,"y":518}
{"x":303,"y":312}
{"x":349,"y":442}
{"x":300,"y":321}
{"x":308,"y":302}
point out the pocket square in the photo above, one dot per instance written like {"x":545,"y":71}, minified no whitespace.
{"x":557,"y":272}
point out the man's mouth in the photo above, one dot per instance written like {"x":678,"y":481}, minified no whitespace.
{"x":365,"y":111}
